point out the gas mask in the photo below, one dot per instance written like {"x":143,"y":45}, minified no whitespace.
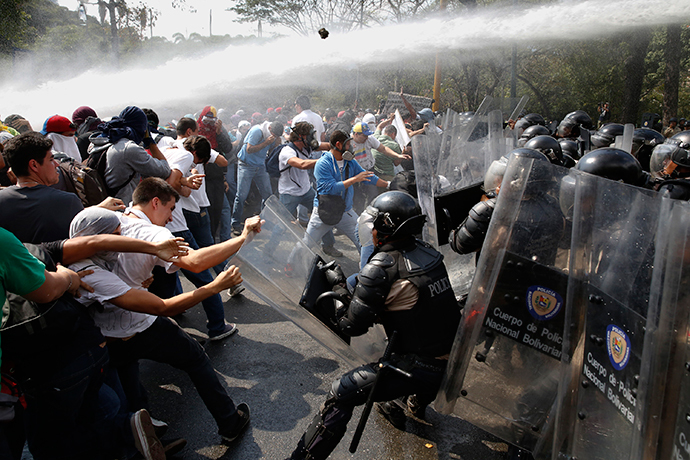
{"x":310,"y":141}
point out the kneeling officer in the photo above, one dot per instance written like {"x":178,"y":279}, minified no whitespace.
{"x":405,"y":287}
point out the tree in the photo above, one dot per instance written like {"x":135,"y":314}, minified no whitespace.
{"x":672,"y":75}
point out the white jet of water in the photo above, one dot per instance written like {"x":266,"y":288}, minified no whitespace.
{"x":304,"y":61}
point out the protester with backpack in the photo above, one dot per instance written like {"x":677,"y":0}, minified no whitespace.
{"x":126,"y":161}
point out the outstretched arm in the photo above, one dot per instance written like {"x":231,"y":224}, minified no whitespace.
{"x":83,"y":247}
{"x":210,"y":256}
{"x":145,"y":302}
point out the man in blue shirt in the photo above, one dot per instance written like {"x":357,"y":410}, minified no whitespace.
{"x":257,"y":143}
{"x":335,"y":172}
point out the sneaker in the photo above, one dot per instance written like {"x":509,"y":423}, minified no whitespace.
{"x":160,"y":427}
{"x":236,"y":232}
{"x":332,"y":251}
{"x":227,"y":331}
{"x":229,"y":435}
{"x":235,"y":290}
{"x":392,"y":412}
{"x":174,"y":446}
{"x":145,"y":439}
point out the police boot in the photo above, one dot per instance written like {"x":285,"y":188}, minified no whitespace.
{"x":393,"y":412}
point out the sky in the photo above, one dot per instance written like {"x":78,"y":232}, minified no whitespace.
{"x":194,"y":17}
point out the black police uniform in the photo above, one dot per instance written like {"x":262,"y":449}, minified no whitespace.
{"x":425,"y":334}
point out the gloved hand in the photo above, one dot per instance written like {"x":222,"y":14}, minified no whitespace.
{"x":334,"y":274}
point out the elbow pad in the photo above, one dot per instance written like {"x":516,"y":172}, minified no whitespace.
{"x":369,"y":296}
{"x":469,"y":236}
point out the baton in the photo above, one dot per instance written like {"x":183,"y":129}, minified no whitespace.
{"x":383,"y":365}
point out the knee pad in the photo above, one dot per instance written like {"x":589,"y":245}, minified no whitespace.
{"x":352,"y":388}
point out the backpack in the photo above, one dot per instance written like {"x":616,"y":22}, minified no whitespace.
{"x":81,"y":180}
{"x":23,"y":321}
{"x":272,"y":161}
{"x":98,"y":160}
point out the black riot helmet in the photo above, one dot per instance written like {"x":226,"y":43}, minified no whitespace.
{"x":569,"y":147}
{"x":614,"y":164}
{"x":535,"y":119}
{"x":581,"y":118}
{"x":396,"y":215}
{"x":607,"y":135}
{"x":531,"y":119}
{"x":532,"y":132}
{"x":548,"y":146}
{"x":682,"y":140}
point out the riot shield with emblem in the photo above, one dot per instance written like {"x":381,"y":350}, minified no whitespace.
{"x":281,"y":266}
{"x":504,"y":366}
{"x":612,"y":262}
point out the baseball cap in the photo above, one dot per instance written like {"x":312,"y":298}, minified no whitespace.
{"x":57,"y":124}
{"x":362,"y":128}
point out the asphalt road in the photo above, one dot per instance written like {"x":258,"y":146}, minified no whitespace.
{"x":284,"y":375}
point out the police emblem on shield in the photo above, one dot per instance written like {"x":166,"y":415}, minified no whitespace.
{"x":543,"y":303}
{"x":618,"y":346}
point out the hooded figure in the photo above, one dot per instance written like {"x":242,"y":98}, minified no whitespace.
{"x":131,"y":124}
{"x":126,"y":161}
{"x":96,"y":221}
{"x":207,"y":125}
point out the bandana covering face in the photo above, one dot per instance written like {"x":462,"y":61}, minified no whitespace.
{"x":207,"y":125}
{"x":96,"y":221}
{"x":131,"y":124}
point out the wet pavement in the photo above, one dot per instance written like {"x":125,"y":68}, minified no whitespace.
{"x":284,"y":375}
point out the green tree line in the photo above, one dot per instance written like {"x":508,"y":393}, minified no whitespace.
{"x":646,"y":70}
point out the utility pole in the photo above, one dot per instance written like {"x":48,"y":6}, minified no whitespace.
{"x":513,"y":68}
{"x":437,"y":72}
{"x":210,"y":23}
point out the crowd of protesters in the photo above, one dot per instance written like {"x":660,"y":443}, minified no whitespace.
{"x":167,"y":197}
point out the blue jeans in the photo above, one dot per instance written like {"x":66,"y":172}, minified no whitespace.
{"x":167,"y":343}
{"x":199,"y":224}
{"x":168,"y":285}
{"x":292,"y":203}
{"x":347,"y":225}
{"x":246,"y":173}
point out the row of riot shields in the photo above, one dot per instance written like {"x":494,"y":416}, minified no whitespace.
{"x":574,"y":339}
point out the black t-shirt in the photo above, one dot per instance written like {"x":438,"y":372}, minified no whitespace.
{"x":38,"y":214}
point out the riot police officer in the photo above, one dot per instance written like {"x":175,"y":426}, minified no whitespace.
{"x":405,"y":287}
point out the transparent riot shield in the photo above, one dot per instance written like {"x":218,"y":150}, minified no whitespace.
{"x":504,"y":367}
{"x":449,"y":170}
{"x":664,"y":384}
{"x":277,"y":266}
{"x":611,"y":268}
{"x":673,"y":435}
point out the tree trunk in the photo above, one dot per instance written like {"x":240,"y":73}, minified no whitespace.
{"x":672,"y":73}
{"x":638,"y":42}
